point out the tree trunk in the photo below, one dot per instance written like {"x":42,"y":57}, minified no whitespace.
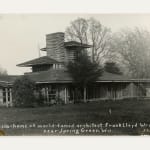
{"x":84,"y":94}
{"x":93,"y":54}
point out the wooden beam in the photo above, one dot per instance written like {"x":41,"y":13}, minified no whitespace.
{"x":47,"y":96}
{"x":85,"y":94}
{"x":132,"y":89}
{"x":11,"y":97}
{"x":6,"y":96}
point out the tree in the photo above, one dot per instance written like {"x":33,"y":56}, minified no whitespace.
{"x":84,"y":72}
{"x":3,"y":71}
{"x":23,"y":92}
{"x":91,"y":31}
{"x":112,"y":68}
{"x":132,"y":50}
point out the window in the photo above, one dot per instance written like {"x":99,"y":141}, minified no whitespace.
{"x":57,"y":66}
{"x":38,"y":68}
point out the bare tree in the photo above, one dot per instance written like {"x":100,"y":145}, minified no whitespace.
{"x":112,"y":67}
{"x":78,"y":30}
{"x":132,"y":49}
{"x":92,"y":32}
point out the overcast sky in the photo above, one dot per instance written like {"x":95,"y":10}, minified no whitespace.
{"x":20,"y":34}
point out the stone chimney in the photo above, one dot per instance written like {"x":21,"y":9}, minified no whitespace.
{"x":55,"y":46}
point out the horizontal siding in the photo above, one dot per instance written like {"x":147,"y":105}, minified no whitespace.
{"x":55,"y":46}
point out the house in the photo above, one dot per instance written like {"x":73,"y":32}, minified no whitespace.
{"x":53,"y":81}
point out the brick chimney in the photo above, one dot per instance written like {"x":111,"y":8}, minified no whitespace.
{"x":55,"y":46}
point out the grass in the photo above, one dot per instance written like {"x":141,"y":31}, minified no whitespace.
{"x":128,"y":111}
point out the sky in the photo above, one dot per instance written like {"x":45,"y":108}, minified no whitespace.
{"x":21,"y":35}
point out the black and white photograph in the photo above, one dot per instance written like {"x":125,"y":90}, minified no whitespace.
{"x":74,"y":74}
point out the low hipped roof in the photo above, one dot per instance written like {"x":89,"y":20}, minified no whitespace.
{"x":58,"y":76}
{"x":6,"y":80}
{"x":111,"y":76}
{"x":62,"y":76}
{"x":50,"y":76}
{"x":39,"y":61}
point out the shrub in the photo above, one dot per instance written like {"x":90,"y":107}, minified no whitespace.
{"x":23,"y":92}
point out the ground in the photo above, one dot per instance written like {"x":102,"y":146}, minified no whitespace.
{"x":129,"y":117}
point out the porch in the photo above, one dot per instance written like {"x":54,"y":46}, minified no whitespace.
{"x":67,"y":93}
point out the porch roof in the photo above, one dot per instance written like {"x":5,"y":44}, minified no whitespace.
{"x":107,"y":76}
{"x":7,"y":80}
{"x":50,"y":76}
{"x":62,"y":76}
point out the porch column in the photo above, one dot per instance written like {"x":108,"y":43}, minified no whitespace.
{"x":121,"y":91}
{"x":66,"y":95}
{"x":11,"y":97}
{"x":132,"y":89}
{"x":107,"y":92}
{"x":47,"y":96}
{"x":6,"y":90}
{"x":85,"y":94}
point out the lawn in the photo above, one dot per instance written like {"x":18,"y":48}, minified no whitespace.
{"x":129,"y":117}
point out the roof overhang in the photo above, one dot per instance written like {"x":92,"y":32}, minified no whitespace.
{"x":44,"y":60}
{"x":70,"y":44}
{"x":131,"y":80}
{"x":43,"y":49}
{"x":100,"y":81}
{"x":47,"y":82}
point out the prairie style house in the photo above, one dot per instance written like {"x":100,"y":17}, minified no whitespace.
{"x":53,"y":81}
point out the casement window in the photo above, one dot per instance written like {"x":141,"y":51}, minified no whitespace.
{"x":57,"y":66}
